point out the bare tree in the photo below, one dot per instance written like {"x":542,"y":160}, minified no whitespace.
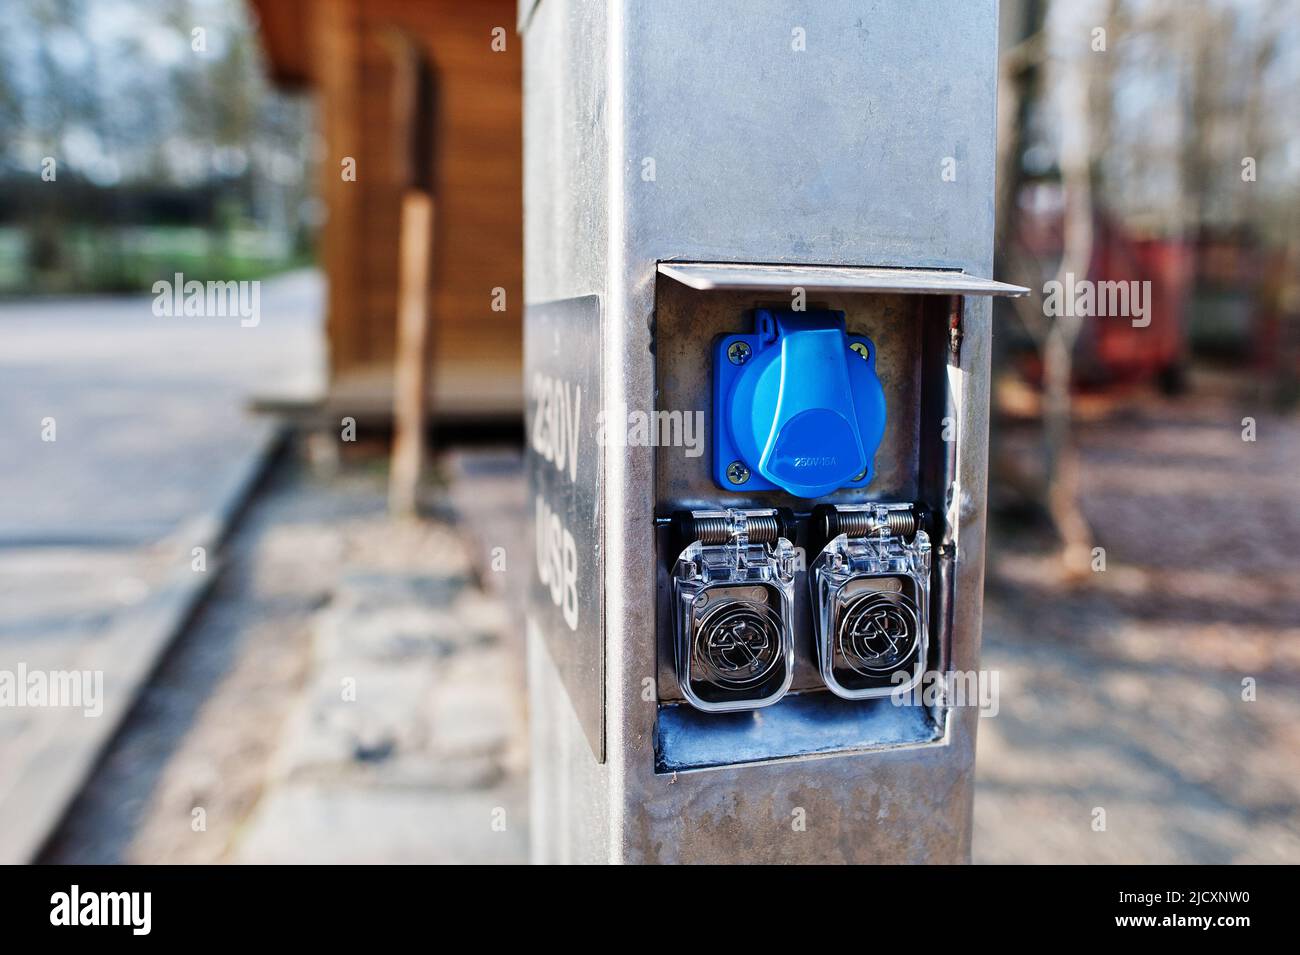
{"x":1081,"y":84}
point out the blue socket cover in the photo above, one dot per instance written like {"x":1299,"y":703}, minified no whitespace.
{"x":797,"y":405}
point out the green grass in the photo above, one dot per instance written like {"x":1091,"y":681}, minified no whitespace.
{"x":132,"y":259}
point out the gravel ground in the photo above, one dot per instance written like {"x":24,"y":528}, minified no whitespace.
{"x":1124,"y":692}
{"x":243,"y":749}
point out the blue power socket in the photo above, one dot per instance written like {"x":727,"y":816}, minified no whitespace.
{"x":797,"y":406}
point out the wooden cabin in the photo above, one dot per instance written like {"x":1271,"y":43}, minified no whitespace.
{"x":370,"y":64}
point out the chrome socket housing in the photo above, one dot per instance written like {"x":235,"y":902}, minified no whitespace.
{"x":733,"y":601}
{"x":870,"y":590}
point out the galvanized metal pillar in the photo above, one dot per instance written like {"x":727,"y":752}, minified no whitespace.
{"x":850,"y":144}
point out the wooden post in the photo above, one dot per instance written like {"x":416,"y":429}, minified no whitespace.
{"x":411,"y":359}
{"x":414,"y":107}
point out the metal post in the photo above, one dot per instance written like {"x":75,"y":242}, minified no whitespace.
{"x":701,"y":175}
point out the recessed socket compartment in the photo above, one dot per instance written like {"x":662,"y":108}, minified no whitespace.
{"x":888,"y":609}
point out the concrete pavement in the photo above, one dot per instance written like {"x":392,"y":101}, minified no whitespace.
{"x":127,"y":445}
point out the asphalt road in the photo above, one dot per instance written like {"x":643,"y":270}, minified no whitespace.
{"x":147,"y":410}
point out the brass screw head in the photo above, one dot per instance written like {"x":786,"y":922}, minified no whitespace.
{"x":738,"y":353}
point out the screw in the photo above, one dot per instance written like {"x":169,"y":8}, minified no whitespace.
{"x":738,"y":354}
{"x":701,"y":600}
{"x":737,"y":473}
{"x":862,"y":350}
